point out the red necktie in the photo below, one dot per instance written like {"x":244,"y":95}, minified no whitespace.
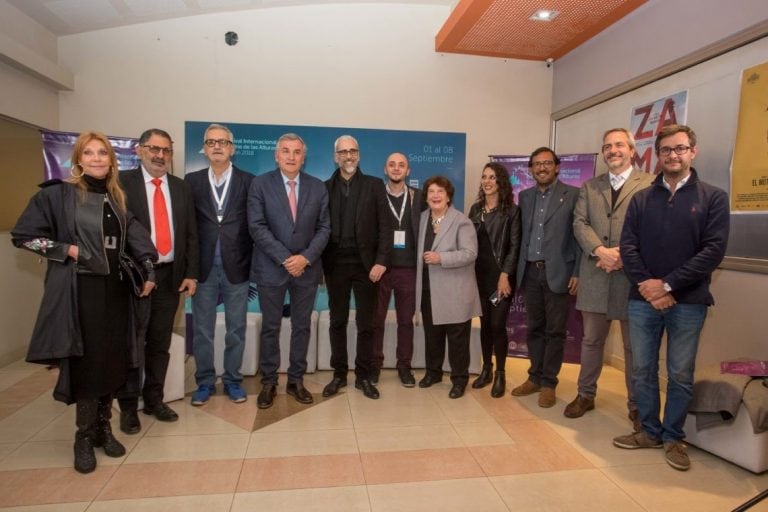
{"x":162,"y":226}
{"x":292,"y":198}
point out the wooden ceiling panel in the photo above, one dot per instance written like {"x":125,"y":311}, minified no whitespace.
{"x":503,"y":28}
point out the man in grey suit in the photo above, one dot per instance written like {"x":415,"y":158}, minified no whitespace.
{"x":548,"y":269}
{"x":290,"y":225}
{"x":604,"y":289}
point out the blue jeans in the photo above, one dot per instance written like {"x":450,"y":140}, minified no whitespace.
{"x":683,"y":323}
{"x":204,"y":302}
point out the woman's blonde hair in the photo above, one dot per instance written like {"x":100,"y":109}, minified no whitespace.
{"x":113,"y":184}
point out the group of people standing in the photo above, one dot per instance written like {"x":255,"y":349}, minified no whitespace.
{"x":621,"y":243}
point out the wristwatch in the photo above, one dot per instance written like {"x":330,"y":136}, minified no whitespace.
{"x":667,"y":288}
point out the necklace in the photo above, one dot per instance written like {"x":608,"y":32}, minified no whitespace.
{"x":437,"y":220}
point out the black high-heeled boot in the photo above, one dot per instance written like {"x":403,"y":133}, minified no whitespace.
{"x":485,"y":377}
{"x":104,"y":437}
{"x":85,"y":418}
{"x":499,"y":384}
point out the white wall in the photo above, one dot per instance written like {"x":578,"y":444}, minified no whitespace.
{"x":25,"y":97}
{"x":653,"y":35}
{"x":365,"y":65}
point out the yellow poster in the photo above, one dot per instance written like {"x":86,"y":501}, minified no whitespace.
{"x":749,"y":169}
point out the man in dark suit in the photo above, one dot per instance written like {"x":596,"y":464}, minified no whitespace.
{"x":356,"y":257}
{"x":547,"y":268}
{"x":163,"y":204}
{"x":405,"y":205}
{"x":289,"y":222}
{"x":226,"y":248}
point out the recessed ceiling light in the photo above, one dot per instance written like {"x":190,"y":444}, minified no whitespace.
{"x":544,"y":15}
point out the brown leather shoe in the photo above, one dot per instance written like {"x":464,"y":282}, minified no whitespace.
{"x":547,"y":397}
{"x":526,"y":388}
{"x":578,"y":407}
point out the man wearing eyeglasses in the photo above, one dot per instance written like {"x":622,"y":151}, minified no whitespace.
{"x":603,"y":287}
{"x":356,"y":257}
{"x":162,"y":203}
{"x":221,"y":195}
{"x":547,"y":270}
{"x":675,"y":235}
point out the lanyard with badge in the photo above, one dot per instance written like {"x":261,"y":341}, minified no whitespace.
{"x":219,"y":200}
{"x":399,"y":232}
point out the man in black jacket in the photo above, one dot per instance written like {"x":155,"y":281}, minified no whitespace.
{"x":221,"y":196}
{"x":356,"y":257}
{"x":163,"y":204}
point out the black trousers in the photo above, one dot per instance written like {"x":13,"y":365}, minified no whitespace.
{"x":493,"y":331}
{"x":164,"y":302}
{"x":547,"y":323}
{"x":435,"y":337}
{"x":345,"y":278}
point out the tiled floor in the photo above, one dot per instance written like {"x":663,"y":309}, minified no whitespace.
{"x":413,"y":449}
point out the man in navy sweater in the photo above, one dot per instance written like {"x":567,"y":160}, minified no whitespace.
{"x":675,"y":235}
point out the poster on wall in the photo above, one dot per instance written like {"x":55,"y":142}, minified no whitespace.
{"x":429,"y":153}
{"x":575,"y":169}
{"x":57,"y":153}
{"x":749,"y":166}
{"x":647,"y":120}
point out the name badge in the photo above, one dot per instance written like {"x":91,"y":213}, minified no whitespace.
{"x":399,"y":239}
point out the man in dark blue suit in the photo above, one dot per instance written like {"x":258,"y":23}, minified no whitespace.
{"x":289,"y":221}
{"x":548,"y":269}
{"x":221,"y":193}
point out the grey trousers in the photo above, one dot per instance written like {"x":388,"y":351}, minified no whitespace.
{"x":596,"y":327}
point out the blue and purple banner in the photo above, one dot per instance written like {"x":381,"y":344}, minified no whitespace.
{"x":574,"y":170}
{"x":57,"y":153}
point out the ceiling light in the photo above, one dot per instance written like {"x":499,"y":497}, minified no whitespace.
{"x":544,"y":15}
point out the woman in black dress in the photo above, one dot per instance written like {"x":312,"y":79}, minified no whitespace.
{"x":85,"y":325}
{"x":497,"y":221}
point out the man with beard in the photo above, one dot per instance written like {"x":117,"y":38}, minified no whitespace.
{"x":164,"y":205}
{"x":603,"y":287}
{"x":405,"y":205}
{"x":356,"y":257}
{"x":675,"y":235}
{"x":547,"y":269}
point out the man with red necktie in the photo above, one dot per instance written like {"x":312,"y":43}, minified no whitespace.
{"x":162,"y":203}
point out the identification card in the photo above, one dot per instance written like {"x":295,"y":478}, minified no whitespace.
{"x":399,"y":239}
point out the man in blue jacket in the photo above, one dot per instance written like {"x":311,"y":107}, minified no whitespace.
{"x":675,"y":235}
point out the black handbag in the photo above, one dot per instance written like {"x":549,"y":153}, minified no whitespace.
{"x":133,"y":272}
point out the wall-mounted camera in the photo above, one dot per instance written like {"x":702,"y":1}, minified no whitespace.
{"x":549,"y":62}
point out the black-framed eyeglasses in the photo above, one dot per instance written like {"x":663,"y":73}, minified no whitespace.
{"x":221,"y":142}
{"x":679,"y":150}
{"x":348,"y":152}
{"x":543,"y":163}
{"x":156,"y":150}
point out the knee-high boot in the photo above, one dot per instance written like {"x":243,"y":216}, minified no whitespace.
{"x":104,"y":437}
{"x":86,"y":420}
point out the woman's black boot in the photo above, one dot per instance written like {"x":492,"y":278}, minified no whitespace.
{"x":499,"y":384}
{"x":485,"y":377}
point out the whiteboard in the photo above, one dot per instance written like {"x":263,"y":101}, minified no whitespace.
{"x":713,"y":104}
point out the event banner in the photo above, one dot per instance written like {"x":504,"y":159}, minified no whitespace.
{"x":575,"y":169}
{"x":57,"y":153}
{"x":429,"y":153}
{"x":647,"y":120}
{"x":749,"y":170}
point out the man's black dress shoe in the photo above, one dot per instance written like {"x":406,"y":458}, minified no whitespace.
{"x":299,"y":392}
{"x":161,"y":412}
{"x":129,"y":422}
{"x":429,"y":380}
{"x":369,"y":390}
{"x":333,"y":387}
{"x":457,"y":390}
{"x":266,"y":396}
{"x":406,"y":377}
